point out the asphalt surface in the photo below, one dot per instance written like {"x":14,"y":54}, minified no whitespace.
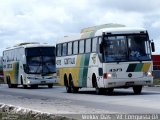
{"x":56,"y":100}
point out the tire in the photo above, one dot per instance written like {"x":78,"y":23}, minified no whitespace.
{"x":73,"y":89}
{"x":100,"y":91}
{"x":67,"y":85}
{"x":15,"y":85}
{"x":137,"y":89}
{"x":50,"y":85}
{"x":68,"y":89}
{"x":34,"y":86}
{"x":9,"y":83}
{"x":24,"y":86}
{"x":110,"y":91}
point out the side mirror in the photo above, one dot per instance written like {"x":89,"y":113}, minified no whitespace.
{"x":152,"y":46}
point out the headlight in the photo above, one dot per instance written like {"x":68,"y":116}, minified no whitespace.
{"x":29,"y":82}
{"x":109,"y":75}
{"x":147,"y":73}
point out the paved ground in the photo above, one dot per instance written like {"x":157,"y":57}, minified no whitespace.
{"x":57,"y":101}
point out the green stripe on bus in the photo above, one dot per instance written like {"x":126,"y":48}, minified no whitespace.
{"x":85,"y":71}
{"x":84,"y":62}
{"x":138,"y":67}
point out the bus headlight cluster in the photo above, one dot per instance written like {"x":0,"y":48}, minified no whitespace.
{"x":107,"y":75}
{"x":29,"y":82}
{"x":147,"y":73}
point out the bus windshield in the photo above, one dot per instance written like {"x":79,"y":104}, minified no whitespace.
{"x":126,"y":48}
{"x":40,"y":60}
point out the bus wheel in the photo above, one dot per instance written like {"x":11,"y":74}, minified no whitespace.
{"x":9,"y":82}
{"x":67,"y":85}
{"x":99,"y":91}
{"x":137,"y":89}
{"x":110,"y":91}
{"x":68,"y":89}
{"x":34,"y":86}
{"x":50,"y":85}
{"x":24,"y":86}
{"x":74,"y":89}
{"x":14,"y":85}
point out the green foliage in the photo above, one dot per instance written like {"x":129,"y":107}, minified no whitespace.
{"x":30,"y":116}
{"x":156,"y":81}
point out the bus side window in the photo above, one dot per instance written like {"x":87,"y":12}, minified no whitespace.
{"x":69,"y":48}
{"x":64,"y":49}
{"x":59,"y":49}
{"x":94,"y":44}
{"x":81,"y":46}
{"x":75,"y":47}
{"x":88,"y":45}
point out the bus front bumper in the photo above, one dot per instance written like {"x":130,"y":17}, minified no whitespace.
{"x":111,"y":83}
{"x":40,"y":81}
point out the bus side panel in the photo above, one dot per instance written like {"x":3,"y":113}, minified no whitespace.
{"x":73,"y":70}
{"x":84,"y":62}
{"x":12,"y":71}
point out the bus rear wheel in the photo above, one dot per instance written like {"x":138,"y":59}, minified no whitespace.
{"x":137,"y":89}
{"x":34,"y":86}
{"x":24,"y":86}
{"x":50,"y":85}
{"x":10,"y":85}
{"x":110,"y":91}
{"x":74,"y":89}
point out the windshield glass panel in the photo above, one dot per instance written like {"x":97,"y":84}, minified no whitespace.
{"x":40,"y":60}
{"x":115,"y":48}
{"x":126,"y":48}
{"x":138,"y":48}
{"x":41,"y":64}
{"x":40,"y":51}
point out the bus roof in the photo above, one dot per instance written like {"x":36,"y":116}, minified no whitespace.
{"x":28,"y":45}
{"x":89,"y":32}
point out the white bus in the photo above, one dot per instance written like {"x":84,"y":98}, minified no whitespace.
{"x":29,"y":64}
{"x":105,"y":57}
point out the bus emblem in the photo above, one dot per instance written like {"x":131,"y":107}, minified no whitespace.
{"x":94,"y":58}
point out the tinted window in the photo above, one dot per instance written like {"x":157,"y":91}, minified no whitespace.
{"x":59,"y":49}
{"x":81,"y":46}
{"x":94,"y":44}
{"x":40,"y":51}
{"x":88,"y":45}
{"x":75,"y":47}
{"x":64,"y":50}
{"x":70,"y":48}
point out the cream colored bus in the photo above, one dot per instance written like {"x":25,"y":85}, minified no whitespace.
{"x":29,"y":64}
{"x":105,"y":57}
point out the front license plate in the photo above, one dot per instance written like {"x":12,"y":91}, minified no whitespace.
{"x":129,"y":83}
{"x":43,"y":81}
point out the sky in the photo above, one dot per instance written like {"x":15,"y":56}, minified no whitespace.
{"x":45,"y":21}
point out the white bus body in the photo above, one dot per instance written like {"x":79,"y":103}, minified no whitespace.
{"x":29,"y":64}
{"x":105,"y":57}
